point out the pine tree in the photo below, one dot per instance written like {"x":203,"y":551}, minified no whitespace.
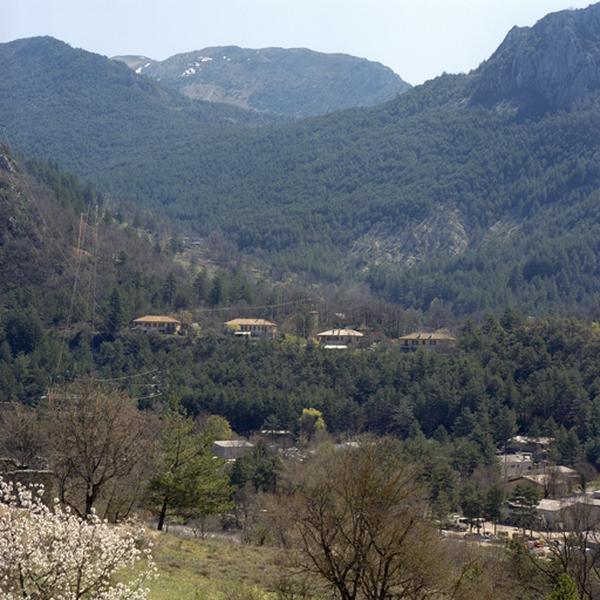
{"x":201,"y":286}
{"x":169,"y":290}
{"x":565,"y":589}
{"x":189,"y":481}
{"x":115,"y":318}
{"x":219,"y":294}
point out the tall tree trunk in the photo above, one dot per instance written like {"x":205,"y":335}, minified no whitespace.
{"x":163,"y":514}
{"x":90,"y":498}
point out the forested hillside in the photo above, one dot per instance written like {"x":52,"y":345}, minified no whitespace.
{"x":462,"y":190}
{"x":58,"y":101}
{"x":295,"y":82}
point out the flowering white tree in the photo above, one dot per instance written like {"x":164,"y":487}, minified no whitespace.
{"x":53,"y":554}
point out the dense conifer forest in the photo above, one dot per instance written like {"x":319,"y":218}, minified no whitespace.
{"x":433,"y":195}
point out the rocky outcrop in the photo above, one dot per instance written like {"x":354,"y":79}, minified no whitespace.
{"x":544,"y":67}
{"x":442,"y":233}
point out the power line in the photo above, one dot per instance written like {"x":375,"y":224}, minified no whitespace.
{"x":240,"y":308}
{"x":80,"y":238}
{"x":94,"y":268}
{"x":122,"y":377}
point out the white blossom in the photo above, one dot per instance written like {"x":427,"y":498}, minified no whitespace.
{"x":52,"y":554}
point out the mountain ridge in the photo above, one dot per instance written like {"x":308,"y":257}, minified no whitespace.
{"x":359,"y":193}
{"x":295,"y":82}
{"x":545,"y":67}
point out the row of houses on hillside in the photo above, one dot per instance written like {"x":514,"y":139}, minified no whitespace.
{"x":261,"y":328}
{"x":335,"y":339}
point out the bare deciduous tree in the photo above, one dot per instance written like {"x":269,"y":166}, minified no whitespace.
{"x":97,"y":437}
{"x":359,"y":518}
{"x":21,"y":434}
{"x":575,"y":550}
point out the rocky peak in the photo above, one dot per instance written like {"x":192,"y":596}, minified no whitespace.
{"x":544,"y":67}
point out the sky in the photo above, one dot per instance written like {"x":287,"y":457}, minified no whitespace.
{"x":419,"y":39}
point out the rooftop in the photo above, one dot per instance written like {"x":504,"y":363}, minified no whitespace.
{"x":233,"y":444}
{"x":423,"y":335}
{"x":552,"y":505}
{"x":540,"y":478}
{"x":340,"y":332}
{"x":562,"y":470}
{"x":155,"y":319}
{"x":264,"y":322}
{"x":524,"y":439}
{"x":555,"y":505}
{"x":519,"y":457}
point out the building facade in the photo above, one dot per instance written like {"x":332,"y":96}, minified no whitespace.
{"x":339,"y":338}
{"x":437,"y":341}
{"x":260,"y":328}
{"x":159,"y":323}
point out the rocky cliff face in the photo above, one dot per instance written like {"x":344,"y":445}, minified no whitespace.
{"x":545,"y":67}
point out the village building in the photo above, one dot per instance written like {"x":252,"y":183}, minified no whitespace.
{"x":252,"y":328}
{"x":438,"y":341}
{"x":231,"y":449}
{"x":159,"y":323}
{"x":538,"y":446}
{"x":574,"y":513}
{"x":515,"y":465}
{"x":278,"y":438}
{"x":339,"y":339}
{"x":553,"y":481}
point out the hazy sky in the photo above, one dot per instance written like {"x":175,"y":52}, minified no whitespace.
{"x":419,"y":39}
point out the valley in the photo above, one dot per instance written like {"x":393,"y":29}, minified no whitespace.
{"x":277,"y":325}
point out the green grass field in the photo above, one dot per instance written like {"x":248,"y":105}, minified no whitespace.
{"x":192,"y":569}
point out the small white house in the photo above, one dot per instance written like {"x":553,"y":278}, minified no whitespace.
{"x":515,"y":465}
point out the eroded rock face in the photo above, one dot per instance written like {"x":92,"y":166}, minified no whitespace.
{"x":544,"y":67}
{"x":442,"y":233}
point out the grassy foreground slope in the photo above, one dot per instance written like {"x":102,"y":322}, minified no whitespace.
{"x":191,"y":569}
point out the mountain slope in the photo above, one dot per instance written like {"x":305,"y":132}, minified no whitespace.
{"x":294,"y":82}
{"x":135,"y":62}
{"x":41,"y":269}
{"x":545,"y":67}
{"x":56,"y":100}
{"x":432,"y":195}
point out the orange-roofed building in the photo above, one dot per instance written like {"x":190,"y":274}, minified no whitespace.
{"x":427,"y":341}
{"x":159,"y":323}
{"x":339,"y":339}
{"x":252,"y":328}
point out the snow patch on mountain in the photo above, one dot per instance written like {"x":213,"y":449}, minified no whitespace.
{"x":140,"y":69}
